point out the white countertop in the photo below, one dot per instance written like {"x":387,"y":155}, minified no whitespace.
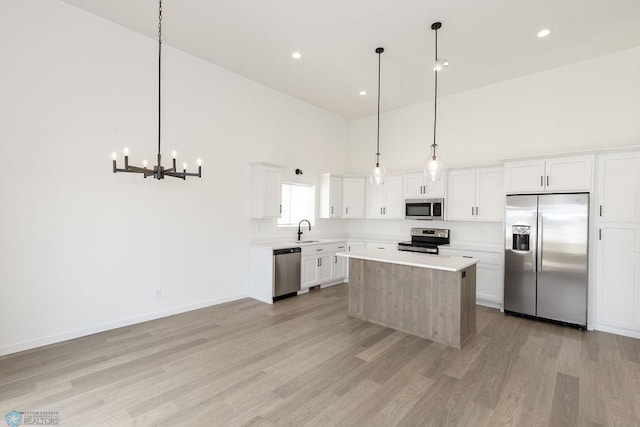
{"x":281,"y":243}
{"x":436,"y":262}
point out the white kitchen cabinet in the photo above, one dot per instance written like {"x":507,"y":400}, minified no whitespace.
{"x":355,"y":244}
{"x":316,"y":270}
{"x":385,"y":201}
{"x":325,"y":269}
{"x":266,"y":191}
{"x":618,"y":279}
{"x":489,"y":275}
{"x":353,"y":197}
{"x":351,"y":245}
{"x":618,"y":193}
{"x":330,"y":196}
{"x":320,"y":265}
{"x":418,"y":186}
{"x":475,"y":194}
{"x":339,"y":266}
{"x":560,"y":174}
{"x":309,"y":271}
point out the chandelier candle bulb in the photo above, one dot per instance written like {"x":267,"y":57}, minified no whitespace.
{"x":174,"y":154}
{"x":126,"y":151}
{"x":199,"y":161}
{"x":184,"y":166}
{"x":145,"y":163}
{"x":114,"y":156}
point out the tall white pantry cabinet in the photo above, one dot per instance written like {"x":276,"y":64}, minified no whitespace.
{"x":617,"y":290}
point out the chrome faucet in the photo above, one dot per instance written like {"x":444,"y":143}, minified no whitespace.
{"x":299,"y":230}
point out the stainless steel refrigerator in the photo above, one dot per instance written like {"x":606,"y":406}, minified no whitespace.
{"x":546,"y":250}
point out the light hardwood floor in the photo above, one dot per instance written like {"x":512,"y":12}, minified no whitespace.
{"x":303,"y":361}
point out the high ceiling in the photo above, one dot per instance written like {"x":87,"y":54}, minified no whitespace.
{"x":486,"y":41}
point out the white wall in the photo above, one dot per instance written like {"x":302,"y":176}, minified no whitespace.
{"x":587,"y":105}
{"x":83,"y":249}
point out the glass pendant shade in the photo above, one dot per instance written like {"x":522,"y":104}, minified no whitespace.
{"x":434,"y":168}
{"x":378,"y":175}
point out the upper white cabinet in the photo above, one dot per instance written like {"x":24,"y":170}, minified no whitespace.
{"x":417,"y":186}
{"x":385,"y":201}
{"x":557,"y":174}
{"x":475,"y":194}
{"x":330,"y":196}
{"x":266,"y":191}
{"x":353,"y":191}
{"x":619,"y":187}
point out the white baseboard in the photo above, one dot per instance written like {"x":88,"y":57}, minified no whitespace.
{"x":490,"y":304}
{"x":52,"y":339}
{"x":618,"y":331}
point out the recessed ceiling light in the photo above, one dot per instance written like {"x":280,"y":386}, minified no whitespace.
{"x":362,"y":93}
{"x":544,"y":33}
{"x":296,"y":55}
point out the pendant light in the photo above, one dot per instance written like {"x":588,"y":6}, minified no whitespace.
{"x":434,"y":167}
{"x":378,"y":175}
{"x":158,"y":171}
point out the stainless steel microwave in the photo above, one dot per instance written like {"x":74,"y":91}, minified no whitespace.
{"x":424,"y":209}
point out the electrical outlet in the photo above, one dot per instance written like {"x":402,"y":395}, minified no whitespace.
{"x":158,"y":293}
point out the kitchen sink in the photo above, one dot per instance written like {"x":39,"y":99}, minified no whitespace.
{"x":306,"y":241}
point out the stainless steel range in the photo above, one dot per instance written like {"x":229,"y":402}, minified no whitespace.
{"x":425,"y":240}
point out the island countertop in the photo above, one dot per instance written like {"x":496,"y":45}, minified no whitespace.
{"x":436,"y":262}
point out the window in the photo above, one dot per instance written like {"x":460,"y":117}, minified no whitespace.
{"x":298,"y":202}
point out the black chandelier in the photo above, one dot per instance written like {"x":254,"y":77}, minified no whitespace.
{"x":158,"y":171}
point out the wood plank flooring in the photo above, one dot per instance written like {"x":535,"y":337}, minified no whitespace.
{"x":303,"y":361}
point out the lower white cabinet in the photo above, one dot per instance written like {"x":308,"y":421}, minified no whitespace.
{"x":355,"y":244}
{"x":489,"y":275}
{"x":320,"y":265}
{"x":339,"y":266}
{"x":351,"y":245}
{"x":309,"y":271}
{"x":618,"y":279}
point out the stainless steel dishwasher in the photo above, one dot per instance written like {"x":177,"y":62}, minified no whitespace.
{"x":286,"y":272}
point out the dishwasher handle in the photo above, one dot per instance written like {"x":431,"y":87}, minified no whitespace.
{"x":286,"y":251}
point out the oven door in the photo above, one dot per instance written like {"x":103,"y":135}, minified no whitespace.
{"x":417,"y":209}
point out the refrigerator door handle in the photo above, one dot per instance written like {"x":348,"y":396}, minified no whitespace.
{"x":534,"y":243}
{"x":540,"y":239}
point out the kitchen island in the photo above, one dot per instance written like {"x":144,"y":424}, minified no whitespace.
{"x":430,"y":296}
